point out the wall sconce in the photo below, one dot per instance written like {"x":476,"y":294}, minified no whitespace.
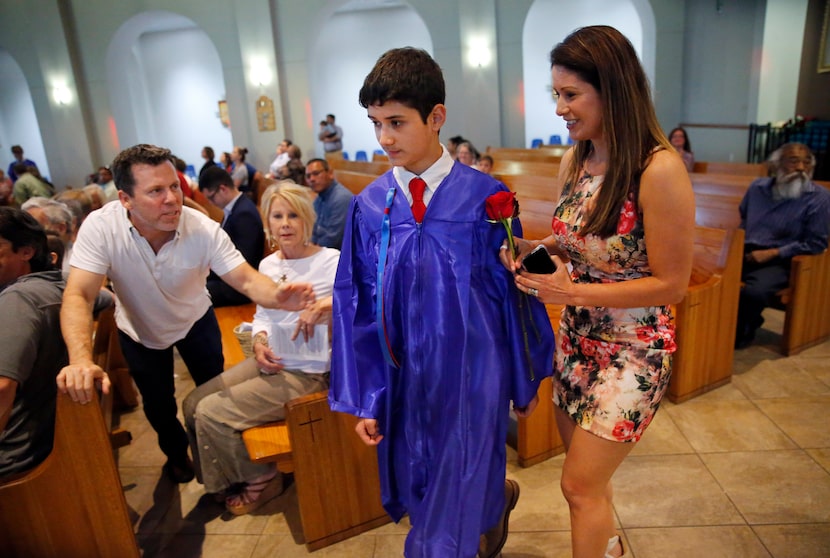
{"x":62,"y":95}
{"x":260,"y":73}
{"x":479,"y":54}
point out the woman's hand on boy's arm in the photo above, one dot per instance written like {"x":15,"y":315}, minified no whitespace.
{"x":368,"y":431}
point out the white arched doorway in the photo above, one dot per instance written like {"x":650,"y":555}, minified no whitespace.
{"x":165,"y":80}
{"x":18,"y":120}
{"x":548,"y":22}
{"x":346,"y":46}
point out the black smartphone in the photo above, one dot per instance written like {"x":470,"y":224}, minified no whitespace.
{"x":538,"y":261}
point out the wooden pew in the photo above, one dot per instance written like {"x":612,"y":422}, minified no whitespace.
{"x":376,"y":168}
{"x":531,"y":155}
{"x":354,"y":181}
{"x":526,"y":168}
{"x":229,"y":317}
{"x":806,"y":301}
{"x":707,"y":316}
{"x":338,"y":486}
{"x":72,"y":504}
{"x":744,"y":169}
{"x":336,"y":474}
{"x":106,"y":353}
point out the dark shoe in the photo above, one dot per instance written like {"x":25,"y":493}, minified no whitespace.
{"x":744,"y":339}
{"x":493,"y":540}
{"x":181,"y":472}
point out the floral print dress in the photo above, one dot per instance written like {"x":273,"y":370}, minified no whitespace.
{"x":612,"y":364}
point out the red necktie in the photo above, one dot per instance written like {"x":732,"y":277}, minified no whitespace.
{"x":416,"y":188}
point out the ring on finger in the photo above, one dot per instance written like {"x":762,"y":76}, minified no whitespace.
{"x":533,"y":292}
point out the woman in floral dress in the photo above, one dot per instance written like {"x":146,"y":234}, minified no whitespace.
{"x":624,"y":223}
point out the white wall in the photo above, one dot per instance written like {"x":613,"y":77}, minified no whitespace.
{"x":720,"y":68}
{"x":548,"y":23}
{"x":18,"y":123}
{"x":337,"y":67}
{"x":165,"y":100}
{"x":783,"y":31}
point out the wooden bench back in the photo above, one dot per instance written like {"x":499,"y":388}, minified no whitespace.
{"x":527,"y":168}
{"x":354,"y":181}
{"x":72,"y":504}
{"x":376,"y":168}
{"x":743,"y":169}
{"x":548,"y":155}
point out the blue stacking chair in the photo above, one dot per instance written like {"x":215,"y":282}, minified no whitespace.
{"x":556,"y":139}
{"x":379,"y":152}
{"x":345,"y":156}
{"x":536,"y":142}
{"x":361,"y":156}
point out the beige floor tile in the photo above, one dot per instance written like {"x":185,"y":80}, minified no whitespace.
{"x":209,"y":546}
{"x":796,"y":541}
{"x":541,"y":506}
{"x":728,"y":392}
{"x":804,"y":419}
{"x":712,"y":426}
{"x":694,"y":542}
{"x":388,"y":545}
{"x":773,"y":486}
{"x":776,"y":379}
{"x":284,"y":546}
{"x":669,"y":490}
{"x":556,"y":544}
{"x":662,"y":437}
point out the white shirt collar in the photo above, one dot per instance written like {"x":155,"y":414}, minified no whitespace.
{"x":433,"y":176}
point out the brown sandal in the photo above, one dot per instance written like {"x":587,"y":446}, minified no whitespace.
{"x":255,"y":495}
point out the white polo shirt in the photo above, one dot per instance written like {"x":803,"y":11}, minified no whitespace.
{"x":159,"y":296}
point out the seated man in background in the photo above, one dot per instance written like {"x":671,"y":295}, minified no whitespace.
{"x":29,"y":184}
{"x":242,"y":223}
{"x":53,"y":216}
{"x":281,"y":159}
{"x":783,"y":216}
{"x":331,"y":204}
{"x":31,"y":343}
{"x":105,"y":181}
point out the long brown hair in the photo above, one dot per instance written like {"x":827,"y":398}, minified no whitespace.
{"x":602,"y":56}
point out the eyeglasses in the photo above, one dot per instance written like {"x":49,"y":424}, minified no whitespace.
{"x":211,"y":195}
{"x":312,"y":174}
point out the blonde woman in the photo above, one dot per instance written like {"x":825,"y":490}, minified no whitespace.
{"x":290,"y":359}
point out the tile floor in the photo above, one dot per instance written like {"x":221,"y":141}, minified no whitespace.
{"x":740,"y":472}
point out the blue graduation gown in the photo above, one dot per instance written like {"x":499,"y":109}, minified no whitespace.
{"x":453,"y":323}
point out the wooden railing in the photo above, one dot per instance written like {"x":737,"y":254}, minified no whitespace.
{"x":72,"y":504}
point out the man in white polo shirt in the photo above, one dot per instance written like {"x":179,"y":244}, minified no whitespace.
{"x":157,"y":254}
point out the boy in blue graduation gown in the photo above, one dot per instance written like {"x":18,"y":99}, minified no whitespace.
{"x":429,"y":331}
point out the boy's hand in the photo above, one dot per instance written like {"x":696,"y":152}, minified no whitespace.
{"x":525,"y":412}
{"x":368,"y":431}
{"x":522,"y":248}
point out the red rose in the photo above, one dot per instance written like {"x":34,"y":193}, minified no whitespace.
{"x":502,"y":205}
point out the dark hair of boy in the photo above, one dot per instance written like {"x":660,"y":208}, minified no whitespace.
{"x":408,"y":76}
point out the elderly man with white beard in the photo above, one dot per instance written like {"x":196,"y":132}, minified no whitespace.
{"x":783,"y":216}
